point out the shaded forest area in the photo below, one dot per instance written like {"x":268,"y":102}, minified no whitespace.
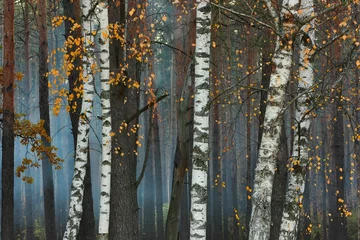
{"x":181,"y":119}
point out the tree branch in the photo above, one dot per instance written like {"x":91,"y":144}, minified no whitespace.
{"x":140,"y":111}
{"x":147,"y":150}
{"x":242,"y":15}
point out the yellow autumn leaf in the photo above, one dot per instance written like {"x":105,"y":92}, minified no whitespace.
{"x":19,"y":76}
{"x":164,"y":18}
{"x":131,"y":12}
{"x":214,"y":44}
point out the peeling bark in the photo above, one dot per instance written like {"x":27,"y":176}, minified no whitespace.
{"x":106,"y":124}
{"x":201,"y":122}
{"x":81,"y":159}
{"x":299,"y":159}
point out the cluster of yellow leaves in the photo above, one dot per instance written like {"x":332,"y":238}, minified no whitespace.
{"x":34,"y":135}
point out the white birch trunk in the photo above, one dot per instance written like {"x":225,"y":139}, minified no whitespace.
{"x":299,"y":160}
{"x":201,"y":122}
{"x":266,"y":163}
{"x":106,"y":123}
{"x":77,"y":185}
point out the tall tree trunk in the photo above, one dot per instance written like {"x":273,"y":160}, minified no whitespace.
{"x":106,"y":124}
{"x":337,"y":221}
{"x":87,"y":223}
{"x":158,"y":180}
{"x":181,"y":160}
{"x":124,"y":102}
{"x":7,"y":170}
{"x":27,"y":89}
{"x":300,"y":157}
{"x":149,"y":186}
{"x":201,"y":122}
{"x":73,"y":11}
{"x":47,"y":171}
{"x":266,"y":163}
{"x":280,"y":180}
{"x":357,"y":152}
{"x":82,"y":151}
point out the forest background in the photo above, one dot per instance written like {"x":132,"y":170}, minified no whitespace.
{"x":217,"y":120}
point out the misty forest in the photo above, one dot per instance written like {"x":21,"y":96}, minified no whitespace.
{"x":180,"y":119}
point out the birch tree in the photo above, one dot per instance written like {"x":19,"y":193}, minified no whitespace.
{"x":299,"y":160}
{"x":77,"y":186}
{"x":106,"y":123}
{"x":266,"y":163}
{"x":201,"y":122}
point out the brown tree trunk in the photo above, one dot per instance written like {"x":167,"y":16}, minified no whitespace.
{"x":7,"y":190}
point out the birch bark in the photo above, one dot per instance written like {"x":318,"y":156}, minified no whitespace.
{"x":106,"y":123}
{"x":266,"y":163}
{"x":77,"y":186}
{"x":201,"y":122}
{"x":299,"y":160}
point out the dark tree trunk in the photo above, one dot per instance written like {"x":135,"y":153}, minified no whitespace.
{"x":149,"y":232}
{"x":181,"y":161}
{"x":279,"y":191}
{"x":158,"y":180}
{"x":337,"y":221}
{"x":27,"y":89}
{"x":47,"y":171}
{"x":7,"y":190}
{"x":123,"y":204}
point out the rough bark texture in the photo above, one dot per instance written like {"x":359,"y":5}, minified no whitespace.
{"x":264,"y":173}
{"x":82,"y":151}
{"x":181,"y":161}
{"x":124,"y":104}
{"x":87,"y":223}
{"x":106,"y":123}
{"x":337,"y":219}
{"x":299,"y":159}
{"x":7,"y":190}
{"x":73,"y":11}
{"x":201,"y":122}
{"x":47,"y":171}
{"x":279,"y":192}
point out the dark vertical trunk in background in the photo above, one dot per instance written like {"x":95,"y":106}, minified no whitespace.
{"x":158,"y":179}
{"x":279,"y":191}
{"x":248,"y":129}
{"x":27,"y":92}
{"x":47,"y":171}
{"x":124,"y":104}
{"x":337,"y":222}
{"x":149,"y":232}
{"x":7,"y":190}
{"x":178,"y":198}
